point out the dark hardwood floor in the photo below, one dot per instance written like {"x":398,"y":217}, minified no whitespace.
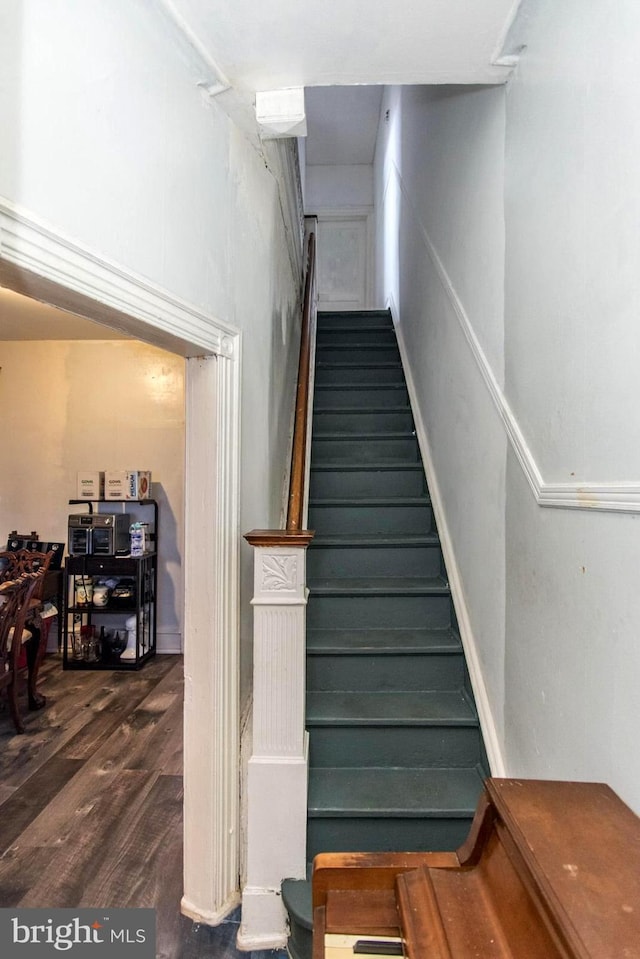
{"x":91,"y":802}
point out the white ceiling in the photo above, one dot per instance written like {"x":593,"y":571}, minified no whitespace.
{"x":342,"y":52}
{"x":22,"y":318}
{"x":342,"y":123}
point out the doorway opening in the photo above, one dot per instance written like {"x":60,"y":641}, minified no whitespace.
{"x":53,"y":272}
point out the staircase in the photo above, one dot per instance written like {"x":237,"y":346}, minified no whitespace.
{"x":396,"y":755}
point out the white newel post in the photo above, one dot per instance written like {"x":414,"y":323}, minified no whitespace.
{"x":277,"y":773}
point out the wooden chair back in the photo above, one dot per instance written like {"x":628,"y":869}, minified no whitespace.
{"x":18,"y":597}
{"x":12,"y":600}
{"x":13,"y":563}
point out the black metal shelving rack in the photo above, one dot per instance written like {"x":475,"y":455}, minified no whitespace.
{"x":141,"y":572}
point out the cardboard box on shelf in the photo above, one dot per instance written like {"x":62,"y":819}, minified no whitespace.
{"x":115,"y":484}
{"x":90,"y":485}
{"x":140,"y":484}
{"x":127,"y":484}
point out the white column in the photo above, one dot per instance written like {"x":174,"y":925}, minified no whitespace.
{"x":211,"y":735}
{"x":277,"y":773}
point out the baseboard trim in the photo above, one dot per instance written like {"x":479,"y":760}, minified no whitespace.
{"x":262,"y":908}
{"x":209,"y":918}
{"x":485,"y":713}
{"x":169,"y":643}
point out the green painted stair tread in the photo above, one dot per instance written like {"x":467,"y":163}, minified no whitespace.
{"x":358,"y":354}
{"x":348,"y":374}
{"x":373,"y":540}
{"x":355,"y":322}
{"x":380,"y":641}
{"x":349,"y":326}
{"x":381,"y":586}
{"x":357,"y":336}
{"x":401,"y":708}
{"x":372,"y":519}
{"x":327,"y":387}
{"x":369,"y":467}
{"x":322,"y":388}
{"x":353,"y":313}
{"x":356,"y":387}
{"x":354,"y":501}
{"x":394,"y":447}
{"x":364,"y":344}
{"x":400,"y":386}
{"x":382,"y":341}
{"x":351,"y":437}
{"x":394,"y":552}
{"x":368,"y":397}
{"x":327,"y":361}
{"x":353,"y":482}
{"x":392,"y":793}
{"x":370,"y":409}
{"x":350,"y":411}
{"x":359,"y":422}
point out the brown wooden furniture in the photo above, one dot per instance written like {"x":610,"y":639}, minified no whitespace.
{"x":16,"y":600}
{"x":53,"y":592}
{"x":550,"y":869}
{"x":293,"y":534}
{"x":13,"y":565}
{"x":12,"y":599}
{"x":295,"y":510}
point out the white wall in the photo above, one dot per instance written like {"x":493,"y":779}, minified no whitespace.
{"x":572,"y":340}
{"x":94,"y":405}
{"x":530,"y":194}
{"x":108,"y":140}
{"x":96,"y":88}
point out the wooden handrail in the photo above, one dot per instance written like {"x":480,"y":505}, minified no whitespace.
{"x":295,"y":510}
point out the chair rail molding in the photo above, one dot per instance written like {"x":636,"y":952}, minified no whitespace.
{"x":619,"y":496}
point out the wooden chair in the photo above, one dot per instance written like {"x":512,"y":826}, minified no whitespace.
{"x":13,"y":565}
{"x":16,"y":598}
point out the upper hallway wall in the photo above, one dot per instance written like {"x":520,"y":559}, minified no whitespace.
{"x":439,"y":246}
{"x":572,"y":208}
{"x":572,"y":339}
{"x":529,"y":402}
{"x":107,"y":140}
